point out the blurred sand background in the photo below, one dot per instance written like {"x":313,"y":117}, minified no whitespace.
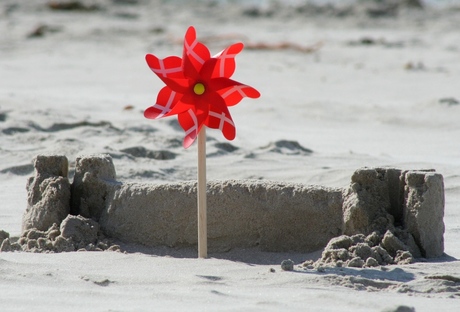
{"x":367,"y":83}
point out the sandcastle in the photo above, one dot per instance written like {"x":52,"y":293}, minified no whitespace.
{"x":387,"y":208}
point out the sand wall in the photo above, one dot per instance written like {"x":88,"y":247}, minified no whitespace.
{"x":275,"y":216}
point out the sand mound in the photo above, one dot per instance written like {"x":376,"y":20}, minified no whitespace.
{"x":75,"y":233}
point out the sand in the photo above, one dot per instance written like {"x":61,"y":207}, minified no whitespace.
{"x":370,"y":92}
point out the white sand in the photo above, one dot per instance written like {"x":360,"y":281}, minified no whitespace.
{"x":354,"y":105}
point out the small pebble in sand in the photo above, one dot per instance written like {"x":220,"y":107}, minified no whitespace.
{"x":272,"y":270}
{"x":373,"y":239}
{"x":115,"y":248}
{"x":404,"y":257}
{"x":356,"y":262}
{"x":371,"y":262}
{"x":287,"y":265}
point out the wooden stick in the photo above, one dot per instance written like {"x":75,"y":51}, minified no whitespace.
{"x":201,"y":195}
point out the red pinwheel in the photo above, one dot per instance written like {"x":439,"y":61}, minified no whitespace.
{"x":198,"y":88}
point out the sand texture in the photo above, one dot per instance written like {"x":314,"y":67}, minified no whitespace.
{"x":359,"y":110}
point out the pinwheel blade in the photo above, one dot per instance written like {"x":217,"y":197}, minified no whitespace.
{"x":226,"y":65}
{"x":195,"y":54}
{"x":166,"y":100}
{"x":170,"y":67}
{"x":235,"y":94}
{"x":219,"y":118}
{"x":192,"y":123}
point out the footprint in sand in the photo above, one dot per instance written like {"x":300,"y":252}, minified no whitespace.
{"x":287,"y":147}
{"x":140,"y":151}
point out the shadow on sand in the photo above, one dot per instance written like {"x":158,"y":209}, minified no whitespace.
{"x":250,"y":256}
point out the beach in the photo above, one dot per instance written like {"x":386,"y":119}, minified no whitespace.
{"x":342,"y":87}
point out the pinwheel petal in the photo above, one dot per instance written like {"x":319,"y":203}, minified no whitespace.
{"x":220,"y":83}
{"x":208,"y":68}
{"x":178,"y":85}
{"x":233,"y":95}
{"x":166,"y":101}
{"x":192,"y":123}
{"x":226,"y":65}
{"x":195,"y":54}
{"x":170,"y":67}
{"x":219,"y":118}
{"x":179,"y":108}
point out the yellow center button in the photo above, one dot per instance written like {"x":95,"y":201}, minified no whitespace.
{"x":198,"y":89}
